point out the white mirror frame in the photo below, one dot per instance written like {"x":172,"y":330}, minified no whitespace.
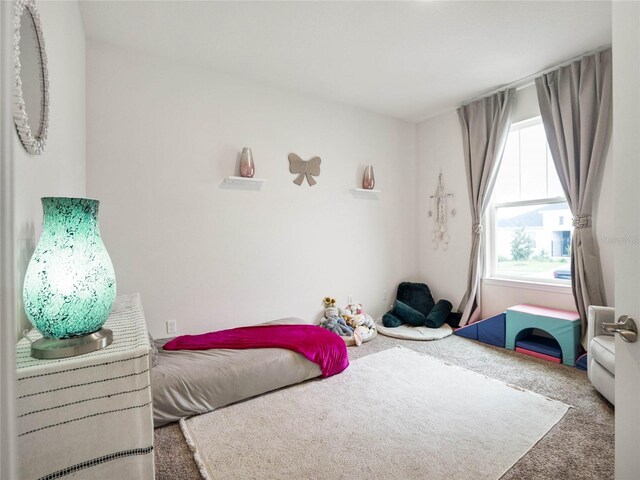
{"x":33,"y":143}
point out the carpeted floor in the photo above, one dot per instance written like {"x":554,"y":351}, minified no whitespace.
{"x":580,"y":446}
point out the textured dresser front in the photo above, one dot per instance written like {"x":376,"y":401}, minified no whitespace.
{"x":88,"y":416}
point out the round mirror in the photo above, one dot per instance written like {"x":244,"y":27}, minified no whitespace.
{"x":31,"y":99}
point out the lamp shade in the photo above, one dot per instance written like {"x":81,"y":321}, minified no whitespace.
{"x":70,"y":285}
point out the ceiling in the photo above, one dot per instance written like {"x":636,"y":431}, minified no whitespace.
{"x":408,"y":60}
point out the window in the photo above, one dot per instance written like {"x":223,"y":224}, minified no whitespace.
{"x":529,"y":218}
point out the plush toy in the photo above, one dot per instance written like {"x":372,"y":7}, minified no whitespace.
{"x":337,"y":325}
{"x":360,"y":334}
{"x":367,"y":321}
{"x":329,"y":302}
{"x":353,"y":309}
{"x":364,"y":328}
{"x":355,"y":317}
{"x":332,"y":320}
{"x":349,"y":322}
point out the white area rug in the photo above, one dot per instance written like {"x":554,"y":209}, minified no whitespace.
{"x":407,"y":332}
{"x":396,"y":414}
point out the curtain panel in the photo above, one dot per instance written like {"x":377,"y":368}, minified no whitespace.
{"x":575,"y":103}
{"x":485,"y":125}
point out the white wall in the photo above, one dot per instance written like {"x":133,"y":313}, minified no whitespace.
{"x":440,"y":148}
{"x":60,"y":170}
{"x":496,"y":298}
{"x":161,"y":138}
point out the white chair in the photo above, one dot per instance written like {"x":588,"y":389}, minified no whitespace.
{"x":602,"y":352}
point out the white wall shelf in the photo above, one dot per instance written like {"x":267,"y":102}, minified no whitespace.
{"x":245,"y":181}
{"x":364,"y":191}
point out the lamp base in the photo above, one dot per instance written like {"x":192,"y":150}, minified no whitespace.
{"x":50,"y":348}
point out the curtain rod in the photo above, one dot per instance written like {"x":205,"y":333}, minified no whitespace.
{"x":530,"y":79}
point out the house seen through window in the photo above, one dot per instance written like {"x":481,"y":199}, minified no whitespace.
{"x":531,"y":227}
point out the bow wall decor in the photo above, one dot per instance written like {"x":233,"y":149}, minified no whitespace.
{"x":309,"y":168}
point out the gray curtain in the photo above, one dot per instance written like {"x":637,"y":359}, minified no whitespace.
{"x":485,"y":125}
{"x":575,"y":103}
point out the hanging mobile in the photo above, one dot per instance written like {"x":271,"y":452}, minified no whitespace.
{"x":440,"y":233}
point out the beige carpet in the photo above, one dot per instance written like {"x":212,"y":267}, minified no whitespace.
{"x":579,"y":447}
{"x":394,"y":414}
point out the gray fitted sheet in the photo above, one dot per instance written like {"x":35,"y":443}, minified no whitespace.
{"x":191,"y":382}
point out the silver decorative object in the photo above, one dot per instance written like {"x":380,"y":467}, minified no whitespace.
{"x":368,"y":179}
{"x":440,"y":233}
{"x":581,"y":221}
{"x":31,"y":78}
{"x":50,"y":348}
{"x":247,"y":168}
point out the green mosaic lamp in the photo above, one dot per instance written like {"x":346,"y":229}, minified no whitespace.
{"x":70,"y":285}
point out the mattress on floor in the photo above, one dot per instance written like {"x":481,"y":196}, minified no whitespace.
{"x":190,"y":382}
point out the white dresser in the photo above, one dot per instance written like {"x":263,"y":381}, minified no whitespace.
{"x":88,"y":416}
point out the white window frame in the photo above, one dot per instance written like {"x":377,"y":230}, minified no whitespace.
{"x":491,"y":276}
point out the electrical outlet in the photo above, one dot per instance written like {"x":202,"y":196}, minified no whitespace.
{"x":349,"y":299}
{"x":385,"y":295}
{"x":172,"y":326}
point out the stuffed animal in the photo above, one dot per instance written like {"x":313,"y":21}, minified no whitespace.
{"x":367,"y":321}
{"x":337,"y":325}
{"x":359,"y":334}
{"x":355,"y":317}
{"x":364,"y":328}
{"x":353,"y":309}
{"x":348,"y":322}
{"x":332,"y":320}
{"x":329,"y":302}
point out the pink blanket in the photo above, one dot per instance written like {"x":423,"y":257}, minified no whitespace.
{"x":317,"y":344}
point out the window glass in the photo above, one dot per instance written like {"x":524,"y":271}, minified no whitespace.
{"x":533,"y":162}
{"x":553,"y":182}
{"x":531,"y":218}
{"x":533,"y":241}
{"x":508,"y":182}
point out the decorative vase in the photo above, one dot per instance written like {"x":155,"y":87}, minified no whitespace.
{"x":70,"y":285}
{"x":368,"y":180}
{"x":247,"y":168}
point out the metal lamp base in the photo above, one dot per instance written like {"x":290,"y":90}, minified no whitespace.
{"x":49,"y":348}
